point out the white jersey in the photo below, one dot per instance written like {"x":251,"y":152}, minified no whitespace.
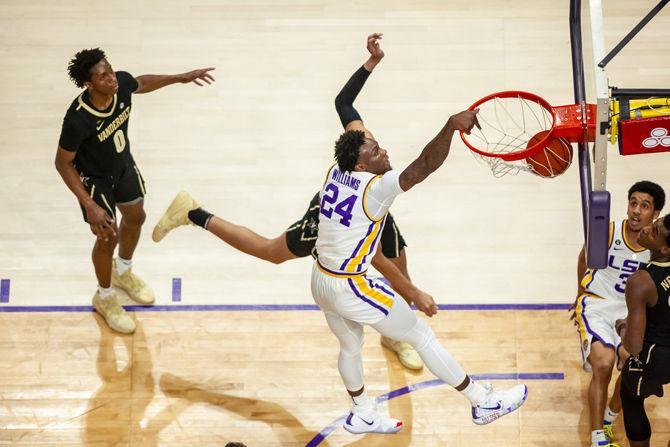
{"x":622,"y":261}
{"x":353,"y":209}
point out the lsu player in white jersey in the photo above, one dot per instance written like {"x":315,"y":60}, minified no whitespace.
{"x":601,"y":300}
{"x":355,"y":200}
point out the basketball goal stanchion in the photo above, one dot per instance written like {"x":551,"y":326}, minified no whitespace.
{"x":522,"y":132}
{"x":595,"y":203}
{"x":612,"y":115}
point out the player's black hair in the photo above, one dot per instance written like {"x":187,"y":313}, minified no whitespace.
{"x":80,"y":65}
{"x":651,"y":188}
{"x":666,"y":223}
{"x":235,"y":444}
{"x":347,"y":148}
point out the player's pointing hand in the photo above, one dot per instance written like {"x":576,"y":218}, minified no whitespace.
{"x":201,"y":74}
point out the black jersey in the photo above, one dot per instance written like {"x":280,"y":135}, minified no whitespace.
{"x":658,"y":317}
{"x":100,"y":138}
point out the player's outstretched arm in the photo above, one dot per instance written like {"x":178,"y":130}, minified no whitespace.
{"x":149,"y":83}
{"x":581,"y":269}
{"x":401,"y":284}
{"x":435,"y":152}
{"x":344,"y":101}
{"x":640,"y":292}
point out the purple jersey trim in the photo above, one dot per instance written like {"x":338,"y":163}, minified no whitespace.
{"x":361,"y":296}
{"x":360,"y":243}
{"x":373,"y":285}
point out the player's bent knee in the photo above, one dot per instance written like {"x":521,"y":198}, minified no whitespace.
{"x":602,"y":367}
{"x":109,"y":245}
{"x":135,"y":219}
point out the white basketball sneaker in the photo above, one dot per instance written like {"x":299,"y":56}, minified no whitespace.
{"x":366,"y":419}
{"x":497,"y":404}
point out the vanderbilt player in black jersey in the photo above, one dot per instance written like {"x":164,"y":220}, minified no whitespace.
{"x":95,"y":162}
{"x":646,"y":332}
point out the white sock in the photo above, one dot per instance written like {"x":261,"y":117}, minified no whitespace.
{"x":474,"y":392}
{"x":598,"y":435}
{"x":361,"y":399}
{"x":123,"y":264}
{"x":610,"y":416}
{"x":104,"y":292}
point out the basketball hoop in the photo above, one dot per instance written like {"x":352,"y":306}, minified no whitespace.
{"x":517,"y":126}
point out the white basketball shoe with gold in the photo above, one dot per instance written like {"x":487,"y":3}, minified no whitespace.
{"x":174,"y":216}
{"x":409,"y":358}
{"x":115,"y":315}
{"x":133,"y":285}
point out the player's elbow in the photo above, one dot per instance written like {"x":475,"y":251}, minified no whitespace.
{"x":339,"y":102}
{"x":58,"y":163}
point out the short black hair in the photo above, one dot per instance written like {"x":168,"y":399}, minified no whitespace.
{"x":651,"y":188}
{"x":666,"y":223}
{"x":80,"y":65}
{"x":235,"y":444}
{"x":347,"y":149}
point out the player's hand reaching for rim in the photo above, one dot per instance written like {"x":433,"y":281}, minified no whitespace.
{"x":464,"y":121}
{"x":201,"y":74}
{"x":102,"y":225}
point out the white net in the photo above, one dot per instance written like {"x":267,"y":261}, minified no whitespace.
{"x":509,"y":125}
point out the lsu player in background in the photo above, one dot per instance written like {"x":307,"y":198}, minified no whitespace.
{"x":355,"y":200}
{"x":601,"y":300}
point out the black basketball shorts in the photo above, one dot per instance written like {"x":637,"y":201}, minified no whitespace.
{"x":645,"y":374}
{"x":108,"y":192}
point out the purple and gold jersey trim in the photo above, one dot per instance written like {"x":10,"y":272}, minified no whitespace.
{"x":583,"y":327}
{"x":365,"y":196}
{"x":374,"y":294}
{"x":624,"y":225}
{"x":337,"y":274}
{"x":327,"y":176}
{"x":364,"y":247}
{"x":588,"y":278}
{"x":609,"y":244}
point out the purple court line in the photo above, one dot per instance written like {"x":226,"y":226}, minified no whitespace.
{"x":176,"y":290}
{"x":323,"y":434}
{"x":271,"y":307}
{"x":4,"y":291}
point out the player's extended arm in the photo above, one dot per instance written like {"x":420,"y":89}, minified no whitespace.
{"x":435,"y":152}
{"x":101,"y":222}
{"x":401,"y":284}
{"x":640,"y":293}
{"x":149,"y":82}
{"x":581,"y":269}
{"x":344,"y":101}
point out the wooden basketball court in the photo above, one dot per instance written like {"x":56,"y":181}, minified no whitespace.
{"x":234,"y":349}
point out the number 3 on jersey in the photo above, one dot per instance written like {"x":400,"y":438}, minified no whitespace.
{"x":342,"y":208}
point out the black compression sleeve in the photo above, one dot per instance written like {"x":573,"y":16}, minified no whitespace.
{"x":344,"y":102}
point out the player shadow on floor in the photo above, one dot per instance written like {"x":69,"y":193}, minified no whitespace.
{"x":285,"y":426}
{"x":116,"y":409}
{"x":115,"y":414}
